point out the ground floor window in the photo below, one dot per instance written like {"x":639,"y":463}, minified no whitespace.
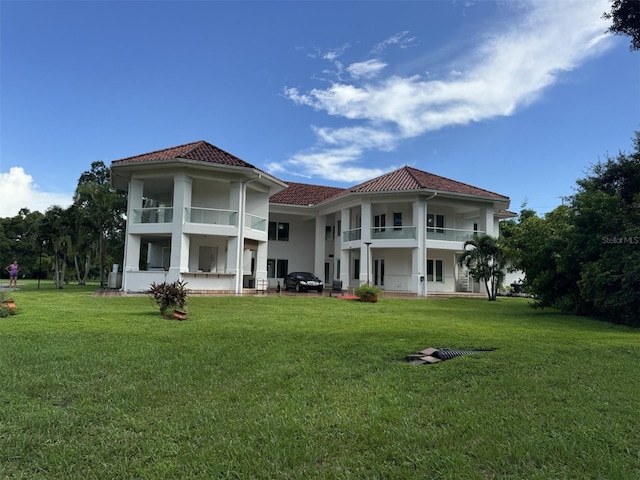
{"x":434,"y":271}
{"x":378,"y":271}
{"x":277,"y":268}
{"x":356,"y":268}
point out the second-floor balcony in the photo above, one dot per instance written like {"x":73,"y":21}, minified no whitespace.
{"x":409,"y":233}
{"x":393,"y":233}
{"x":153,"y":215}
{"x":255,"y":223}
{"x":381,"y":233}
{"x":352,"y":235}
{"x":450,"y":234}
{"x":210,"y":216}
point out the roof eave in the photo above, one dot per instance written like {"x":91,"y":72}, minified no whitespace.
{"x":182,"y":161}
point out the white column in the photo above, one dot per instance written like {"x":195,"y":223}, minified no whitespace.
{"x":319,"y":250}
{"x":486,"y":220}
{"x":345,"y":268}
{"x":236,"y":246}
{"x":261,"y":261}
{"x":365,"y":261}
{"x":179,"y":242}
{"x":131,"y":261}
{"x":419,"y":264}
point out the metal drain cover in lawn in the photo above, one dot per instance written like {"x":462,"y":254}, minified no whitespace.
{"x":435,"y":355}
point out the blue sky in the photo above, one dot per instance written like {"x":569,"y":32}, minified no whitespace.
{"x":517,"y":97}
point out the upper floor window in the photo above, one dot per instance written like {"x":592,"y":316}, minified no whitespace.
{"x":380,"y":221}
{"x":328,"y":232}
{"x":397,"y":220}
{"x":435,"y":223}
{"x":279,"y":231}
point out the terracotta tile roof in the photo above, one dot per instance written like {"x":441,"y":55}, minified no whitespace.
{"x":199,"y":151}
{"x":401,"y":180}
{"x":408,"y":178}
{"x":304,"y":194}
{"x":506,"y":213}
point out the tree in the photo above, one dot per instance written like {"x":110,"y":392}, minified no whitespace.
{"x":584,"y":257}
{"x":607,"y":238}
{"x":486,"y":261}
{"x":101,"y":208}
{"x":55,"y":231}
{"x":625,"y":17}
{"x":83,"y":251}
{"x":18,"y":240}
{"x":538,"y":247}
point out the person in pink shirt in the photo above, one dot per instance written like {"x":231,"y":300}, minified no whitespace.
{"x":13,"y":270}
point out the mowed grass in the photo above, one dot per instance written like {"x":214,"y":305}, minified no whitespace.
{"x":299,"y":387}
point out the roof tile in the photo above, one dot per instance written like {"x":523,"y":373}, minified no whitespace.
{"x":199,"y":151}
{"x":408,"y":178}
{"x":403,"y":179}
{"x":304,"y":194}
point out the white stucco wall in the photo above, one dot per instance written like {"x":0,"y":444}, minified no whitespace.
{"x":210,"y":194}
{"x":300,"y":249}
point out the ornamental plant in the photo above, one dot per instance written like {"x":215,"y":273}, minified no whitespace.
{"x":368,"y":293}
{"x":169,"y":296}
{"x":7,"y":305}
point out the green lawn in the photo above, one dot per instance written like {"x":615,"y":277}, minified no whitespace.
{"x":304,"y":386}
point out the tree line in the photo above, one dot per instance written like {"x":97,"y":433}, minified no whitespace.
{"x":583,"y":257}
{"x":80,"y":241}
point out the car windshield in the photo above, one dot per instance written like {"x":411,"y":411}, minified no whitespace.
{"x":305,"y":276}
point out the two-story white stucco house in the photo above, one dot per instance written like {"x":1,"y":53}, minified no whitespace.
{"x":200,"y":214}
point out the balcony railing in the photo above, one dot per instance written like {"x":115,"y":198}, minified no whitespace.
{"x":393,"y":233}
{"x":450,"y":234}
{"x":153,"y":215}
{"x":210,"y":216}
{"x":255,"y":223}
{"x":351,"y":235}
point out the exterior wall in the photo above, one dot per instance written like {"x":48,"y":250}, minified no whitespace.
{"x":448,"y":283}
{"x":398,"y":268}
{"x":210,"y":194}
{"x":405,"y":259}
{"x":180,"y":214}
{"x":344,"y":237}
{"x":299,"y":250}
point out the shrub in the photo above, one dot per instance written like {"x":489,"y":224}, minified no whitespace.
{"x":368,"y":293}
{"x":169,"y":296}
{"x":7,"y":305}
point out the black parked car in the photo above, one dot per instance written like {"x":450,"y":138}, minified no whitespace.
{"x":302,"y":281}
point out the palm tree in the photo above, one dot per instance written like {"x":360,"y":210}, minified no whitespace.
{"x":102,"y":208}
{"x":486,"y":261}
{"x":56,"y":228}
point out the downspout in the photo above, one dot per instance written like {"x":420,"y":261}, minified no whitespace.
{"x":242,"y":208}
{"x":424,"y":266}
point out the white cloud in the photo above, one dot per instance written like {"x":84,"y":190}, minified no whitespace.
{"x":402,"y":39}
{"x":509,"y":70}
{"x":364,"y":138}
{"x":367,"y":69}
{"x":330,"y":164}
{"x":20,"y":191}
